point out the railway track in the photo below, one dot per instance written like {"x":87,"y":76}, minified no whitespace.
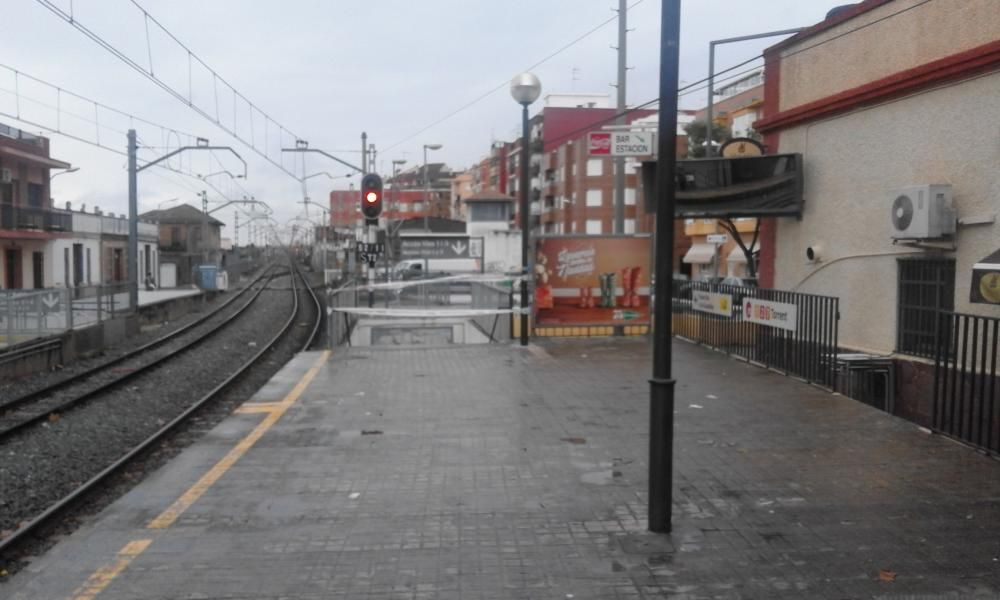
{"x":62,"y":396}
{"x":303,"y":304}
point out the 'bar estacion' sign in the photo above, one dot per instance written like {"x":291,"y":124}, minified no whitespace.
{"x":620,"y":144}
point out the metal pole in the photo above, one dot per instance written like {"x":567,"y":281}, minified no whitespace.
{"x":619,"y":225}
{"x":661,"y":386}
{"x":525,"y":224}
{"x":711,"y":98}
{"x":711,"y":73}
{"x":364,"y":153}
{"x":427,"y":191}
{"x":133,"y":224}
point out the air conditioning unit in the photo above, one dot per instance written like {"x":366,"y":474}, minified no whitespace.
{"x":6,"y":176}
{"x":921,"y":212}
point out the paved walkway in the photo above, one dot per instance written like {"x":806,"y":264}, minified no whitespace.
{"x":495,"y":472}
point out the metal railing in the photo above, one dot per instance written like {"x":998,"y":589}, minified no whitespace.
{"x":29,"y":314}
{"x":966,"y":390}
{"x":491,"y":297}
{"x":29,"y":217}
{"x":341,"y":324}
{"x":803,"y":345}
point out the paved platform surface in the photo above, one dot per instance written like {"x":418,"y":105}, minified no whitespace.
{"x":496,"y":472}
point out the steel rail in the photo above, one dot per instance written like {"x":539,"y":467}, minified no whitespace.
{"x":107,"y":386}
{"x":36,"y":394}
{"x":66,"y":501}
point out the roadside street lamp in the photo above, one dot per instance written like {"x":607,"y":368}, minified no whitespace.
{"x":69,"y":170}
{"x":427,"y":184}
{"x":525,"y":89}
{"x":158,"y":206}
{"x":223,"y":172}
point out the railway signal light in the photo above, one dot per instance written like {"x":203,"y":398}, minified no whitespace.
{"x":371,"y":196}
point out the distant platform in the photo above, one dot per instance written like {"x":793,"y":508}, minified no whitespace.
{"x":147,"y":297}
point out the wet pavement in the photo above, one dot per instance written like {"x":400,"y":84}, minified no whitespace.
{"x":499,"y":472}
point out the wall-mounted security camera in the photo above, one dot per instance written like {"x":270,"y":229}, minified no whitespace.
{"x":813,"y":254}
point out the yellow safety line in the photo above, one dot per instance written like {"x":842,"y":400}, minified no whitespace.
{"x":257,"y":407}
{"x":167,"y":517}
{"x":101,"y":578}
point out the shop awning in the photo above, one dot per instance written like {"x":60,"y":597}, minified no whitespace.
{"x":700,"y":254}
{"x":986,"y":280}
{"x":736,"y":255}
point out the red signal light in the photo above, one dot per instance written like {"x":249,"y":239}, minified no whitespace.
{"x":371,"y":196}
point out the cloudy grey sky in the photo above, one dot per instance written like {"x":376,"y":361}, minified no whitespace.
{"x":328,"y":70}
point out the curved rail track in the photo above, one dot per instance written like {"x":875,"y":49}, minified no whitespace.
{"x":49,"y":515}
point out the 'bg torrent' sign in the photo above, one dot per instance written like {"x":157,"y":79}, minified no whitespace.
{"x":772,"y":314}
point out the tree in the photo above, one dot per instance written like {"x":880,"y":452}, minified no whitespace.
{"x":748,"y":250}
{"x":696,"y":134}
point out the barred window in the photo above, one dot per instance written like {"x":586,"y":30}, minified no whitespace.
{"x":925,"y":286}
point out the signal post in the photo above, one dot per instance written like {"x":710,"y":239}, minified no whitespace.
{"x":371,"y":208}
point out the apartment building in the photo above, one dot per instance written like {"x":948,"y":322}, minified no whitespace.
{"x":28,"y":223}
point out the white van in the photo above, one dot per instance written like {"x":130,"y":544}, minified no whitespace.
{"x":416,"y":268}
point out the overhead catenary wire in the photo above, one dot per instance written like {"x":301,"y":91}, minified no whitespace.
{"x":505,"y":83}
{"x":283,"y":132}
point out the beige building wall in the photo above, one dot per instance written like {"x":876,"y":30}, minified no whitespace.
{"x":930,"y":31}
{"x":950,"y":134}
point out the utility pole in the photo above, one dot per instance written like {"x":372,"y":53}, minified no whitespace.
{"x":364,"y":153}
{"x":619,"y":226}
{"x":236,"y":217}
{"x":133,"y":224}
{"x":204,"y":227}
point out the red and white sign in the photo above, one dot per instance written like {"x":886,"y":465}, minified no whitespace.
{"x":620,"y":143}
{"x":599,"y":144}
{"x":772,"y":314}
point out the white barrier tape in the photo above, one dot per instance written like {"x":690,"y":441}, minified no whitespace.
{"x":398,"y":285}
{"x":416,"y":313}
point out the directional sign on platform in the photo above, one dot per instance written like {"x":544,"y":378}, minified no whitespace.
{"x":51,"y":302}
{"x":441,"y":247}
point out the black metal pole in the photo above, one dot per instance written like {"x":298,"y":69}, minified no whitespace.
{"x":661,"y":386}
{"x":525,"y":224}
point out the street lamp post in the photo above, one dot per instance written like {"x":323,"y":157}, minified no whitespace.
{"x":393,"y":208}
{"x":661,"y":385}
{"x":69,"y":170}
{"x":525,"y":88}
{"x":427,"y":184}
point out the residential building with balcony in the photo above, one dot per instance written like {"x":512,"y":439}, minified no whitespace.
{"x":28,"y":223}
{"x":96,"y":252}
{"x":739,"y":104}
{"x":572,"y":192}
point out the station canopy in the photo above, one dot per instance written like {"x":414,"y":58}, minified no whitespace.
{"x":757,"y":186}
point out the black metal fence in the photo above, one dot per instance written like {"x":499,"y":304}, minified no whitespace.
{"x":966,"y":389}
{"x":787,"y":331}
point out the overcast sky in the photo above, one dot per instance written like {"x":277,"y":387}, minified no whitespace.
{"x":328,"y":70}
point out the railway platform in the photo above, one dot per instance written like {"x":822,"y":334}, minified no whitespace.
{"x":499,"y":472}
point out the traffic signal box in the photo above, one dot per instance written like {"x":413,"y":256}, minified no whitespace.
{"x":371,"y":197}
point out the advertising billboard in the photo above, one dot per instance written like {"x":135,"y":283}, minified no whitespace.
{"x":592,"y":280}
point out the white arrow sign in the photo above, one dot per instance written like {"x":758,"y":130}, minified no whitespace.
{"x":50,"y":301}
{"x":458,"y":247}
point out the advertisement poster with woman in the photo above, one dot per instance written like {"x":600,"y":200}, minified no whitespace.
{"x":592,"y":280}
